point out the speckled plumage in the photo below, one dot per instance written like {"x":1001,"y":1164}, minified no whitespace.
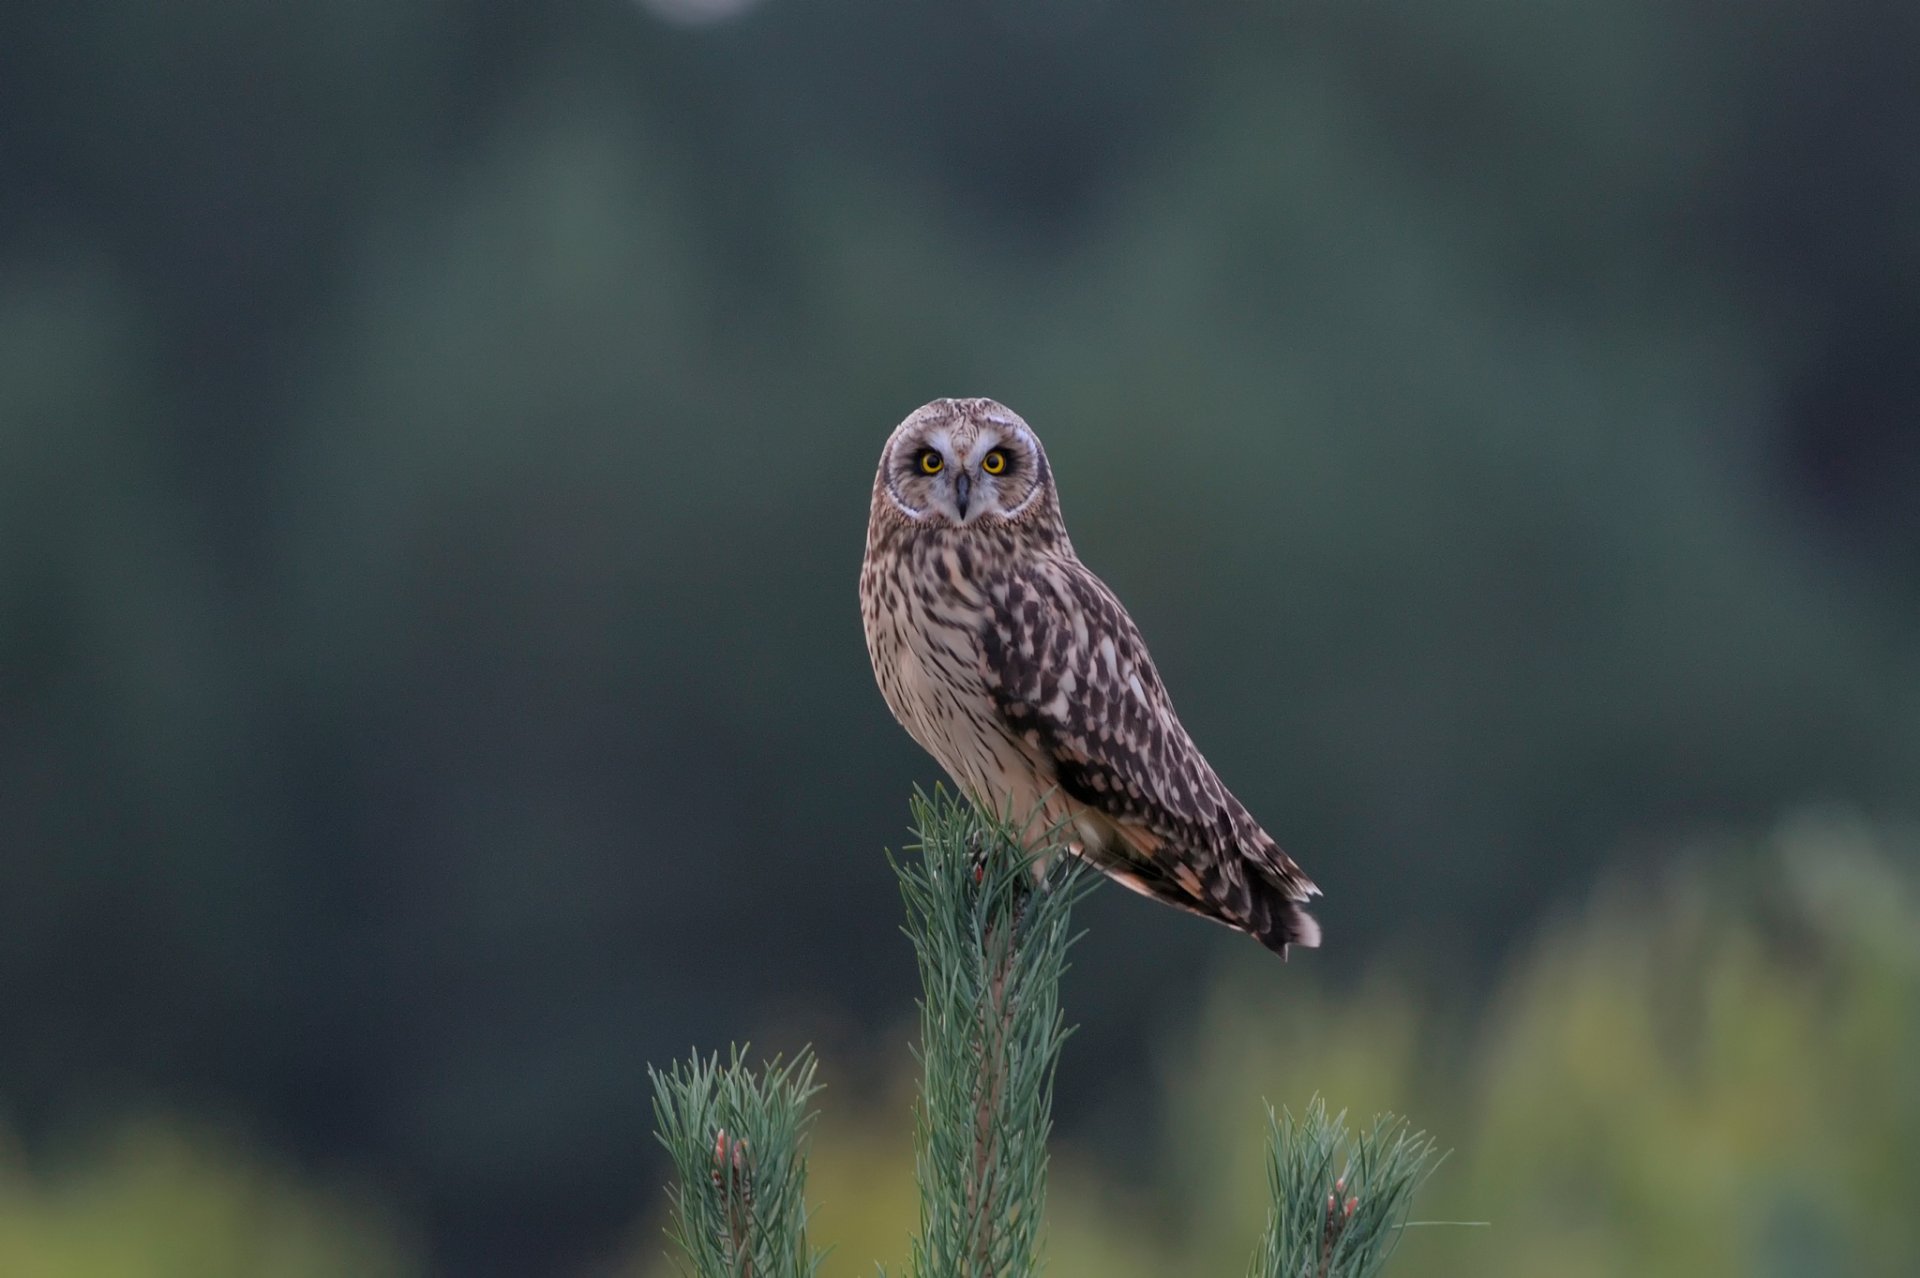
{"x":1019,"y":671}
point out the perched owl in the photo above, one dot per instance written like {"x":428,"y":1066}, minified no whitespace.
{"x":1016,"y":668}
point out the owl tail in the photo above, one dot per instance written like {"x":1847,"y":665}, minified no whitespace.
{"x":1279,"y":921}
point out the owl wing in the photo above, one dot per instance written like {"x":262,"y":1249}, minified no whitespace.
{"x":1072,"y":680}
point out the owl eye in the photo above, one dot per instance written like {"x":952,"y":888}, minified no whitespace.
{"x":931,"y":463}
{"x":994,"y":463}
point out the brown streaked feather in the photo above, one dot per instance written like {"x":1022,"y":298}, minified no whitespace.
{"x":1143,"y":841}
{"x":1071,"y":676}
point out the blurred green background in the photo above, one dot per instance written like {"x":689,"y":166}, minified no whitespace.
{"x":435,"y":442}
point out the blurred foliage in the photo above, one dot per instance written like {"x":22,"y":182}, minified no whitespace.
{"x":159,"y":1200}
{"x":434,"y":451}
{"x":1729,"y":1091}
{"x":1706,"y":1071}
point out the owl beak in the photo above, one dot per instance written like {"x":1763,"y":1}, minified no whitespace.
{"x":962,"y":488}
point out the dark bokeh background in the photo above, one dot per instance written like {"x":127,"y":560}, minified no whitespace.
{"x":435,"y":443}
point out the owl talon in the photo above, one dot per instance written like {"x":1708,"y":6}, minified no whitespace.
{"x":977,"y":857}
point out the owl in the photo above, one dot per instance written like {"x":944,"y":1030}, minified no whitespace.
{"x":1018,"y":670}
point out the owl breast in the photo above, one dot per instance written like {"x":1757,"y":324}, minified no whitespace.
{"x":925,"y":617}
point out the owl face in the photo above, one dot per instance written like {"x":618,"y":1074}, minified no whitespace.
{"x":964,"y":462}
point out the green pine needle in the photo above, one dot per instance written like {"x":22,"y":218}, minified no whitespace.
{"x":990,"y":930}
{"x":1340,"y":1198}
{"x":738,"y":1143}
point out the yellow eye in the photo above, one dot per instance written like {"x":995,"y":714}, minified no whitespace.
{"x":931,"y":463}
{"x":994,"y":463}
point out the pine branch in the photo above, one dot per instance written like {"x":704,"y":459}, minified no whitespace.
{"x":989,"y":925}
{"x":1340,"y":1199}
{"x":737,"y":1140}
{"x":990,"y":931}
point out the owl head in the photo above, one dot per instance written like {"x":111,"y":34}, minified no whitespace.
{"x":964,"y":462}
